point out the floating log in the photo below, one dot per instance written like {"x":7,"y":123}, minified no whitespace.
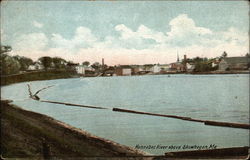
{"x":159,"y":115}
{"x":210,"y":153}
{"x":35,"y":96}
{"x":227,"y":124}
{"x":70,"y":104}
{"x":29,"y":89}
{"x":214,"y":123}
{"x":43,"y":89}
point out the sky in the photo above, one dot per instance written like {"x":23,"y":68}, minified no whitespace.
{"x":125,"y":32}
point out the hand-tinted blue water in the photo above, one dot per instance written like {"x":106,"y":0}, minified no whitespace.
{"x":207,"y":97}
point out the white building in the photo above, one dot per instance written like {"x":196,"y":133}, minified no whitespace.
{"x":80,"y":69}
{"x":156,"y":68}
{"x":126,"y":71}
{"x":190,"y":67}
{"x":36,"y":66}
{"x":32,"y":68}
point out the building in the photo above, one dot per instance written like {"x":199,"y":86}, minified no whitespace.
{"x":234,"y":63}
{"x":123,"y":70}
{"x":136,"y":69}
{"x":80,"y":69}
{"x":164,"y":67}
{"x":36,"y":66}
{"x":83,"y":69}
{"x":215,"y":62}
{"x":190,"y":67}
{"x":156,"y":68}
{"x":147,"y":67}
{"x":178,"y":66}
{"x":110,"y":71}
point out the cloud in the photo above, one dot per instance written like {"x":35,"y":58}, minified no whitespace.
{"x":184,"y":32}
{"x":142,"y":38}
{"x":126,"y":33}
{"x":37,"y":24}
{"x":32,"y":41}
{"x":142,"y":32}
{"x":147,"y":33}
{"x":182,"y":25}
{"x":83,"y":38}
{"x":139,"y":46}
{"x":235,"y":36}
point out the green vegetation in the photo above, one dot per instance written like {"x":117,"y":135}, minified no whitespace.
{"x":15,"y":69}
{"x":59,"y":63}
{"x":202,"y":64}
{"x":39,"y":75}
{"x":19,"y":64}
{"x":205,"y":64}
{"x":9,"y":65}
{"x":46,"y":62}
{"x":5,"y":49}
{"x":24,"y":62}
{"x":96,"y":66}
{"x":85,"y":63}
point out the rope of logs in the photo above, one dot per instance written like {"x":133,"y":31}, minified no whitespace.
{"x":206,"y":122}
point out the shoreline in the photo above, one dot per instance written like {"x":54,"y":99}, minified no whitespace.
{"x":21,"y":127}
{"x":61,"y":74}
{"x":26,"y":133}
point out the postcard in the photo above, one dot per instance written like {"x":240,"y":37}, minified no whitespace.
{"x":125,"y":79}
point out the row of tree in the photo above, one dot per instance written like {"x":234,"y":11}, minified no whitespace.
{"x":15,"y":64}
{"x":205,"y":64}
{"x":202,"y":64}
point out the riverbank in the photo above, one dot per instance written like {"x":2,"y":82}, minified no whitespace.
{"x":26,"y":134}
{"x":29,"y":134}
{"x":37,"y":75}
{"x":60,"y":74}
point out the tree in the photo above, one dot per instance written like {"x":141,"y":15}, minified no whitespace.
{"x":5,"y":49}
{"x":24,"y":62}
{"x":9,"y":65}
{"x":247,"y":55}
{"x":59,"y":63}
{"x":203,"y":66}
{"x":46,"y":62}
{"x":224,"y":54}
{"x":96,"y":66}
{"x":85,"y":63}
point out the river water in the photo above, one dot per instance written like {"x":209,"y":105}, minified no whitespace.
{"x":206,"y":97}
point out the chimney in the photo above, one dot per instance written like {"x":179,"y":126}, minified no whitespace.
{"x":185,"y":62}
{"x":103,"y":64}
{"x":102,"y":61}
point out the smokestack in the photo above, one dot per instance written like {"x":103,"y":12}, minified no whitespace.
{"x":102,"y":61}
{"x":185,"y":62}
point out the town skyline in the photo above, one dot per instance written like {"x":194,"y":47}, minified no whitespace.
{"x":125,"y":32}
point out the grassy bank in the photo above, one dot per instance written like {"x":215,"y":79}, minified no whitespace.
{"x":28,"y":134}
{"x":37,"y":75}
